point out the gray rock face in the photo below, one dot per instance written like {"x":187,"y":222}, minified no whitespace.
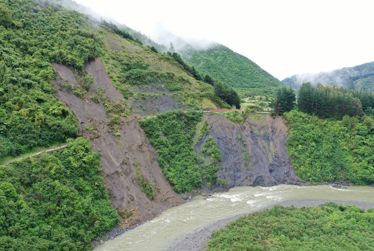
{"x":253,"y":153}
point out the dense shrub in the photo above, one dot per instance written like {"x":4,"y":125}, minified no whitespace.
{"x":30,"y":114}
{"x":143,"y":77}
{"x":54,"y":202}
{"x":331,"y":150}
{"x":171,"y":134}
{"x":211,"y":159}
{"x":328,"y":227}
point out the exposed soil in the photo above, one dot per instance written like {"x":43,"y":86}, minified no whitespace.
{"x":124,"y":157}
{"x":153,"y":104}
{"x":151,"y":89}
{"x":253,"y":153}
{"x":101,"y":81}
{"x":198,"y":240}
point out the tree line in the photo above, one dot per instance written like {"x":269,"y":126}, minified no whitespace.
{"x":324,"y":101}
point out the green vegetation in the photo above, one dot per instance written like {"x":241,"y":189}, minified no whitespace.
{"x":262,"y":104}
{"x":185,"y":66}
{"x":144,"y":77}
{"x":239,"y":116}
{"x":171,"y":134}
{"x":328,"y":102}
{"x":284,"y":101}
{"x":328,"y":227}
{"x":146,"y":187}
{"x":236,"y":116}
{"x":132,"y":66}
{"x":31,"y":37}
{"x":244,"y":150}
{"x":210,"y":162}
{"x":336,"y":145}
{"x":202,"y":129}
{"x":227,"y":94}
{"x":54,"y":201}
{"x":144,"y":184}
{"x":367,"y":100}
{"x":233,"y":70}
{"x":331,"y":150}
{"x":121,"y":32}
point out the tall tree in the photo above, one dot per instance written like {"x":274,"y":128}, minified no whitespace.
{"x":284,"y":101}
{"x":330,"y":102}
{"x":306,"y":99}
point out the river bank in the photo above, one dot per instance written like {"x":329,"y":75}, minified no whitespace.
{"x":194,"y":221}
{"x":198,"y":240}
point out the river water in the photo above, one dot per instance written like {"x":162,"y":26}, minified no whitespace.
{"x":159,"y":233}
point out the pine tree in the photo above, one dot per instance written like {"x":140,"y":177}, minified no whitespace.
{"x":284,"y":101}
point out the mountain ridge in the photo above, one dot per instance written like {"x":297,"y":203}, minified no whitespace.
{"x":359,"y":77}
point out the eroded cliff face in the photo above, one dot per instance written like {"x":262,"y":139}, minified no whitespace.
{"x":252,"y":153}
{"x":132,"y":174}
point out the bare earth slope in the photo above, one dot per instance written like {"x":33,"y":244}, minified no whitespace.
{"x":124,"y":157}
{"x":253,"y":153}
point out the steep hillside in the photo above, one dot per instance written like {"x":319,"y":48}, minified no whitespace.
{"x":98,"y":130}
{"x":211,"y":151}
{"x":232,"y":69}
{"x":152,"y":82}
{"x":134,"y":180}
{"x":332,"y":150}
{"x":359,"y":77}
{"x":253,"y":152}
{"x":53,"y":88}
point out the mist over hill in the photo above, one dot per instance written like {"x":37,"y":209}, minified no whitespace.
{"x":360,"y":77}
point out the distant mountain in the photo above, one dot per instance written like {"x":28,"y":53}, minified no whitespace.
{"x":232,"y":69}
{"x":359,"y":77}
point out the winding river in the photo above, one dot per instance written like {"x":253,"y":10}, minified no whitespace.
{"x":201,"y":216}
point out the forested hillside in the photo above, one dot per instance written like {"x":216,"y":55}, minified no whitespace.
{"x":331,"y":133}
{"x":232,"y":69}
{"x":56,"y":200}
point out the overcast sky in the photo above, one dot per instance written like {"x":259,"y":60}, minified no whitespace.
{"x":284,"y":37}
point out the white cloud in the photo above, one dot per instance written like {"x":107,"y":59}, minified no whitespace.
{"x":284,"y":37}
